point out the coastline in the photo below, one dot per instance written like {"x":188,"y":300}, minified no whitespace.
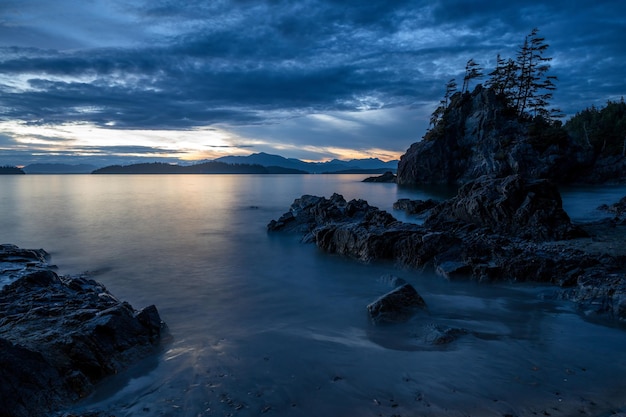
{"x":61,"y":335}
{"x":507,"y":229}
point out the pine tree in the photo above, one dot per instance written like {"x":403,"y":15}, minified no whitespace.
{"x":472,"y":71}
{"x":497,"y":77}
{"x":532,"y":78}
{"x":443,"y":104}
{"x":450,"y":90}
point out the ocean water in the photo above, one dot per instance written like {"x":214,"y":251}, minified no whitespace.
{"x":263,"y":324}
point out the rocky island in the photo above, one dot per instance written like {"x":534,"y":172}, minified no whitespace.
{"x":506,"y":222}
{"x":61,"y":335}
{"x":479,"y":134}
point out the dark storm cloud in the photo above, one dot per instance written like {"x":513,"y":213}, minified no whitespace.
{"x":179,"y":65}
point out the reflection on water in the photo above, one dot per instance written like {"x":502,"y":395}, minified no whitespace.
{"x":264,"y":324}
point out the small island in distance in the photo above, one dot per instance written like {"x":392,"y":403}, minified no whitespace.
{"x":10,"y":170}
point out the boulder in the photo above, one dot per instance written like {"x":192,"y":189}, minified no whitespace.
{"x":618,"y":209}
{"x":396,"y":306}
{"x":386,"y":177}
{"x":511,"y":206}
{"x":414,"y":206}
{"x":437,"y":334}
{"x":61,"y":335}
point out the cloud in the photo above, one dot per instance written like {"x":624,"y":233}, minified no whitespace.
{"x":277,"y":70}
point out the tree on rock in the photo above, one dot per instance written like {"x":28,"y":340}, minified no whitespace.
{"x":523,"y":82}
{"x":443,"y":104}
{"x":534,"y":86}
{"x":472,"y":71}
{"x":503,"y":79}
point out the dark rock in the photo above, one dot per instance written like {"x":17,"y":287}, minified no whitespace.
{"x":608,"y":169}
{"x":510,"y":206}
{"x":351,"y":228}
{"x":414,"y":206}
{"x":396,"y":306}
{"x":618,"y":208}
{"x":506,"y":229}
{"x":386,"y":177}
{"x":61,"y":335}
{"x":308,"y":212}
{"x":452,"y":269}
{"x":479,"y":135}
{"x":436,"y":334}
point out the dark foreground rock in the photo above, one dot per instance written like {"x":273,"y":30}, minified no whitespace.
{"x":60,"y":335}
{"x":504,"y":229}
{"x":396,"y":306}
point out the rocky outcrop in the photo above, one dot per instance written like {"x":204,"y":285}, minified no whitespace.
{"x":396,"y":306}
{"x":414,"y":207}
{"x":386,"y":177}
{"x":605,"y":170}
{"x":60,"y":335}
{"x":479,"y":135}
{"x":618,"y":209}
{"x":494,"y":229}
{"x":508,"y":206}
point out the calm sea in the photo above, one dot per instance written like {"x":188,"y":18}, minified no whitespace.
{"x":263,"y":324}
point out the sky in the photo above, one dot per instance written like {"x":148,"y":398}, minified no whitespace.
{"x":125,"y":81}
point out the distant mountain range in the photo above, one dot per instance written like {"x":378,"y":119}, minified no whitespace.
{"x":211,"y":167}
{"x":59,"y":169}
{"x":357,"y":166}
{"x":258,"y":163}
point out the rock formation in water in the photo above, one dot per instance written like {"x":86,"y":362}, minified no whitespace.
{"x":386,"y":177}
{"x":415,"y":207}
{"x":60,"y":335}
{"x":618,"y":209}
{"x":494,"y":229}
{"x":397,"y":305}
{"x":479,"y":135}
{"x":510,"y":206}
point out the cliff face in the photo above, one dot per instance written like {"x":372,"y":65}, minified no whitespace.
{"x":478,"y":135}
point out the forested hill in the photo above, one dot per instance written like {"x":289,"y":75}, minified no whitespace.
{"x":204,"y":168}
{"x":10,"y":170}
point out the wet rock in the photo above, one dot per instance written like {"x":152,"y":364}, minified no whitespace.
{"x":386,"y":177}
{"x":437,"y":334}
{"x":452,"y":269}
{"x":396,"y":306}
{"x":60,"y":335}
{"x":505,"y":229}
{"x":414,"y":206}
{"x":619,"y":208}
{"x":510,"y":206}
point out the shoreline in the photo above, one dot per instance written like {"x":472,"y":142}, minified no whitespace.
{"x":506,"y":229}
{"x":61,"y":335}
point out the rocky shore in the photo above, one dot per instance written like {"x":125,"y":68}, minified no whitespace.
{"x":61,"y":335}
{"x":495,"y":229}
